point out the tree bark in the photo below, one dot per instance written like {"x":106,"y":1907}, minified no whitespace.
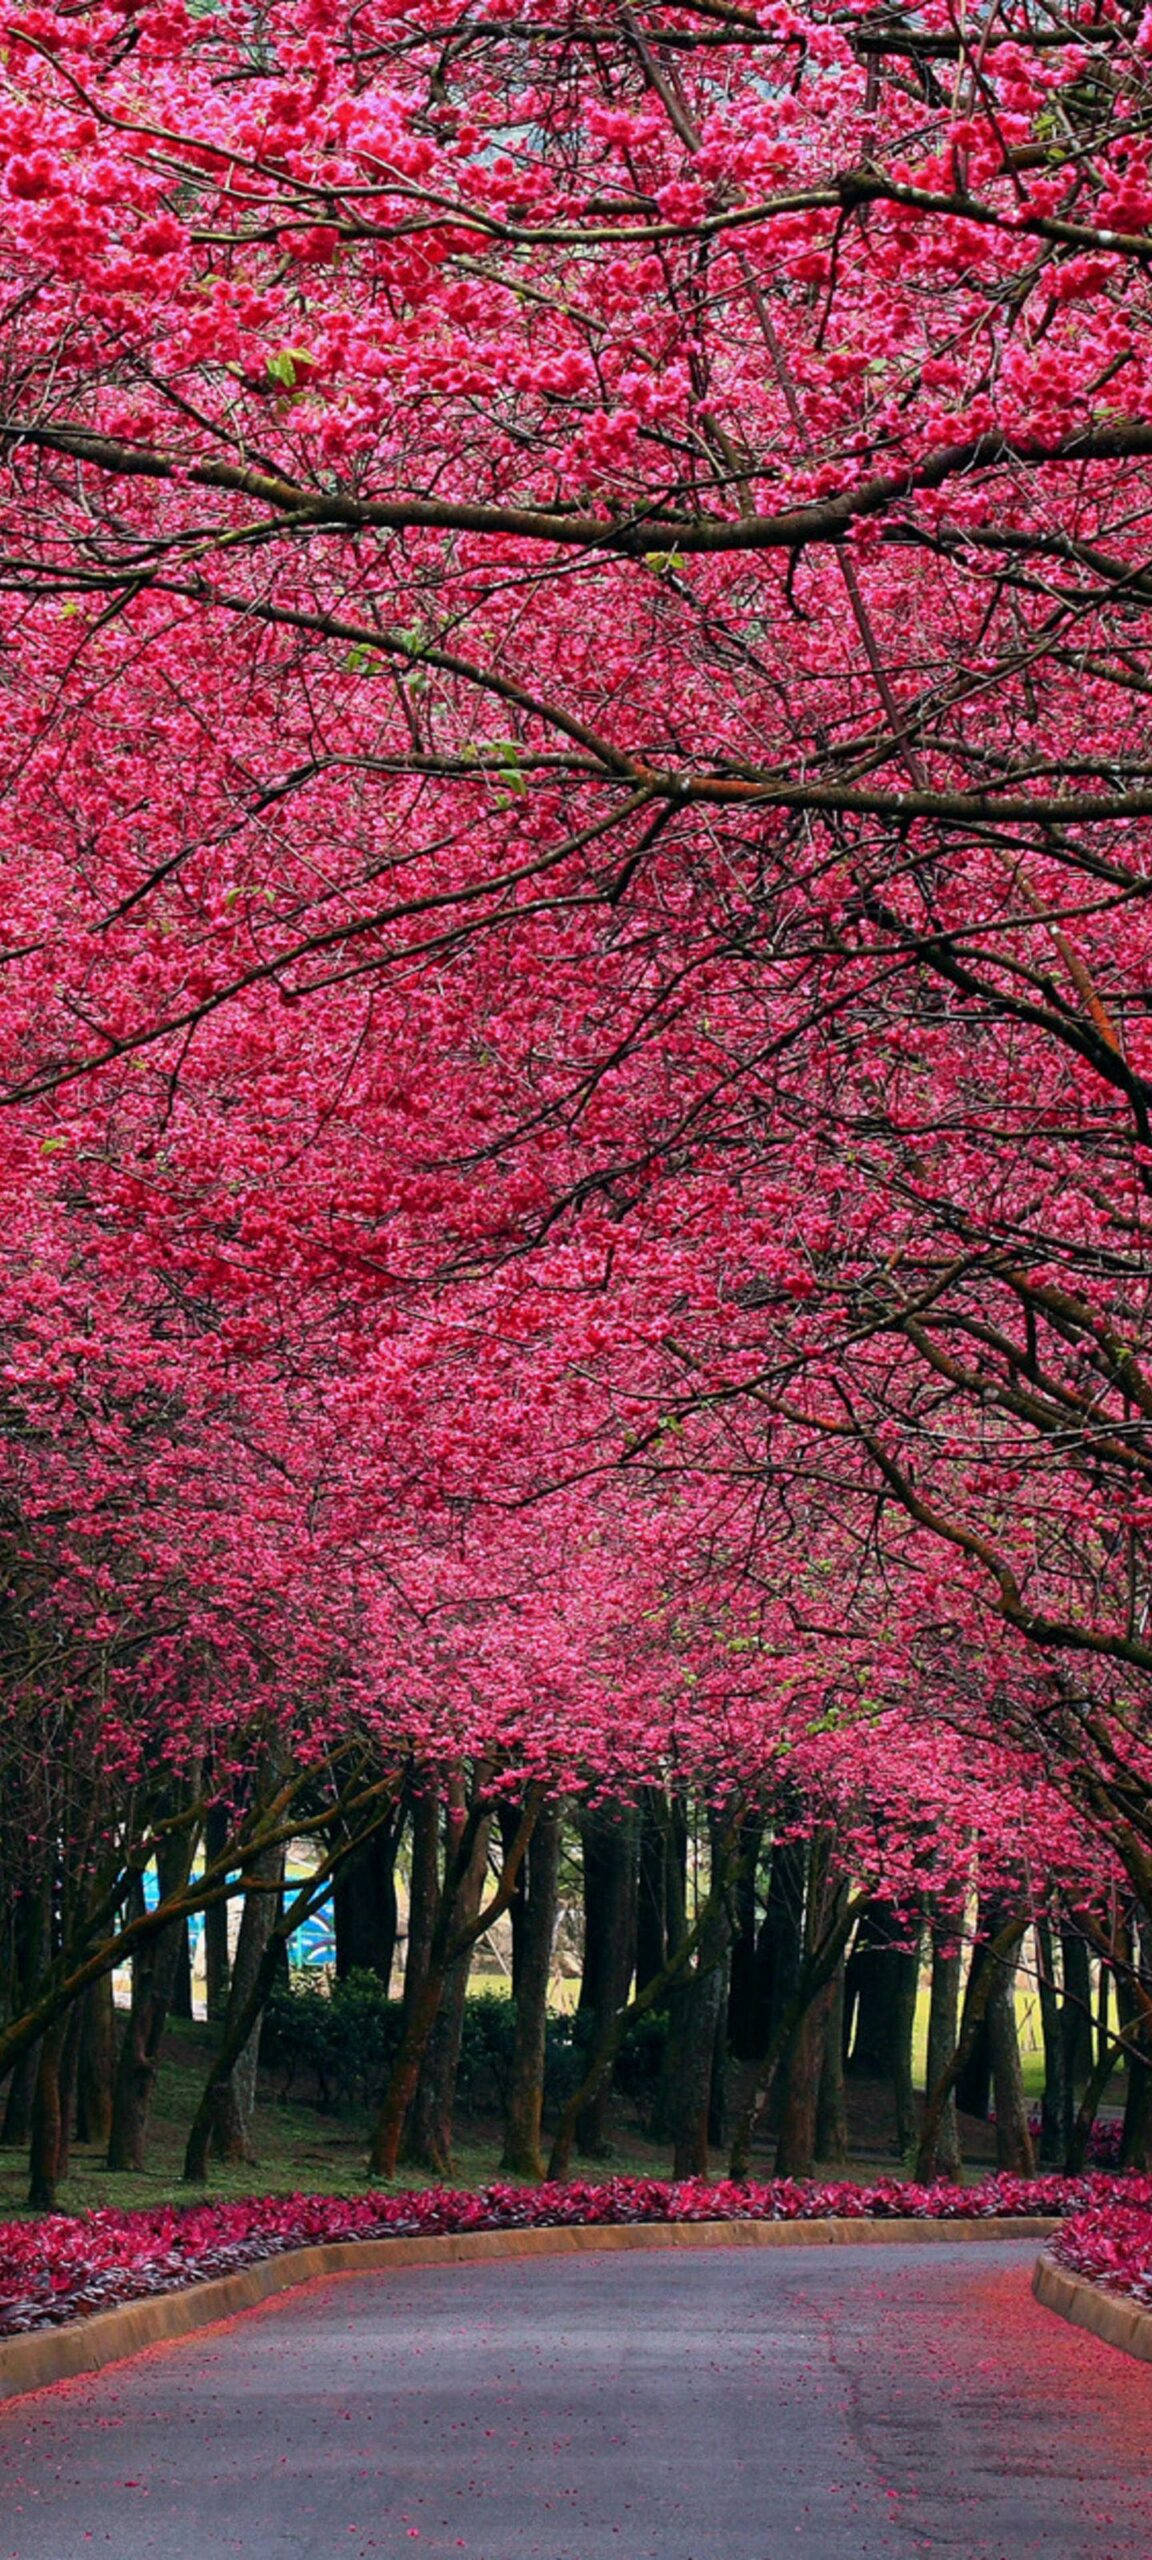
{"x":652,"y":1887}
{"x":882,"y":1979}
{"x":696,"y":2002}
{"x":1053,"y":2103}
{"x":423,"y":1900}
{"x":448,"y":1941}
{"x":802,"y":2063}
{"x":217,"y":1962}
{"x":747,"y":2028}
{"x":46,"y":2138}
{"x":779,"y":1946}
{"x":831,"y":2100}
{"x":428,"y":2140}
{"x":1076,"y":2020}
{"x":507,"y":1818}
{"x":942,"y":2160}
{"x":182,"y":1985}
{"x":982,"y":1977}
{"x":233,"y":2094}
{"x":608,"y":2045}
{"x":872,"y":1993}
{"x":522,"y":2156}
{"x":1136,"y":2139}
{"x":244,"y":2015}
{"x":609,"y":1844}
{"x":796,"y":2140}
{"x":1013,"y":2141}
{"x":153,"y":1977}
{"x":364,"y":1909}
{"x":817,"y":1968}
{"x":1086,"y":2113}
{"x":907,"y":1984}
{"x":31,"y":1946}
{"x":97,"y":2063}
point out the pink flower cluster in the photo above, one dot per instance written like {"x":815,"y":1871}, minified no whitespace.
{"x":1112,"y":2247}
{"x":66,"y":2267}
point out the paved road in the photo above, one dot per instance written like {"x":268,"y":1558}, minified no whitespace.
{"x":800,"y":2404}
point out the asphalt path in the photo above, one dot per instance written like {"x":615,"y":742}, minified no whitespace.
{"x":795,"y":2404}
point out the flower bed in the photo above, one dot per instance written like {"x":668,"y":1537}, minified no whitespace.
{"x":1112,"y":2247}
{"x":66,"y":2267}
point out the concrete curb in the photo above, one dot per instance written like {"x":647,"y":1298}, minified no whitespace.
{"x":1109,"y":2316}
{"x":84,"y":2346}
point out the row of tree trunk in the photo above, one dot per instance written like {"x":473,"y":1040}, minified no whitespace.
{"x":780,"y":1990}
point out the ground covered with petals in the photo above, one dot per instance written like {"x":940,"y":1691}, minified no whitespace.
{"x":65,"y":2267}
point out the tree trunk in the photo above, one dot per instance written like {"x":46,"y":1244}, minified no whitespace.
{"x":96,"y":2071}
{"x":449,"y":1941}
{"x":1136,"y":2140}
{"x":234,"y":2096}
{"x":522,"y":2157}
{"x":46,"y":2134}
{"x":17,"y":2124}
{"x":824,"y":1950}
{"x":244,"y":2016}
{"x":695,"y":2004}
{"x":1013,"y":2140}
{"x":974,"y":2084}
{"x":652,"y":1887}
{"x":31,"y":1950}
{"x":747,"y":2027}
{"x":882,"y":1979}
{"x":608,"y":2044}
{"x":217,"y":1962}
{"x":718,"y":2084}
{"x":364,"y":1908}
{"x":610,"y":1878}
{"x":988,"y":1959}
{"x":1076,"y":2020}
{"x":153,"y":1977}
{"x":69,"y":2079}
{"x":907,"y":1984}
{"x":1105,"y":2042}
{"x":873,"y":1994}
{"x":779,"y":1947}
{"x":943,"y":2159}
{"x":831,"y":2100}
{"x":1053,"y":2103}
{"x":423,"y":1899}
{"x":182,"y":1985}
{"x":796,"y":2141}
{"x":428,"y":2141}
{"x":1086,"y":2113}
{"x":775,"y":1974}
{"x":803,"y":2059}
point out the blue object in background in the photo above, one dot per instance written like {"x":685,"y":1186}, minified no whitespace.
{"x":310,"y":1949}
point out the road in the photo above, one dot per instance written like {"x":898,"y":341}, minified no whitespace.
{"x":794,"y":2404}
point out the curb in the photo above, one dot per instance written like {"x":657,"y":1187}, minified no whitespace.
{"x":1118,"y":2322}
{"x":44,"y":2356}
